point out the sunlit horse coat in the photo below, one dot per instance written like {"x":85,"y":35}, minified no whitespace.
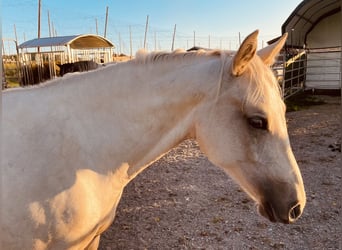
{"x":70,"y":147}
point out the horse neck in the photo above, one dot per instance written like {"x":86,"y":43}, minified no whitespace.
{"x":158,"y":102}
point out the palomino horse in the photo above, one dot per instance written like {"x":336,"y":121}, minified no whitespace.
{"x":71,"y":146}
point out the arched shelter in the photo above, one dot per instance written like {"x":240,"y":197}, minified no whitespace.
{"x":315,"y":27}
{"x":75,"y":47}
{"x":38,"y":57}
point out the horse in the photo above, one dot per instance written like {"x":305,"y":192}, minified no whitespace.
{"x":77,"y":67}
{"x":70,"y":146}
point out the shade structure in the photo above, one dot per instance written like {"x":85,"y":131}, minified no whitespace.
{"x":87,"y":41}
{"x":312,"y":20}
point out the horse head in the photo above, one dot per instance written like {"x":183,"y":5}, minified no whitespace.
{"x":243,"y":130}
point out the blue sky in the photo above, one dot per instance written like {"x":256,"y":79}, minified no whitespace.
{"x":217,"y":22}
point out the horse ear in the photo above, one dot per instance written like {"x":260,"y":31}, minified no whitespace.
{"x":245,"y":54}
{"x":269,"y":53}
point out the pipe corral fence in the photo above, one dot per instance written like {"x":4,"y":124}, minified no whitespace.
{"x":38,"y":67}
{"x":303,"y":69}
{"x":314,"y":46}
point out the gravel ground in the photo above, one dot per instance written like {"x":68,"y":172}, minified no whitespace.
{"x":182,"y":201}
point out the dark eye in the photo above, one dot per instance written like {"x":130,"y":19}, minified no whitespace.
{"x":258,"y":122}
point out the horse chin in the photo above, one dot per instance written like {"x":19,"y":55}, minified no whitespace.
{"x":268,"y":212}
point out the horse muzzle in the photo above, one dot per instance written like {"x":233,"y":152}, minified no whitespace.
{"x":287,"y":216}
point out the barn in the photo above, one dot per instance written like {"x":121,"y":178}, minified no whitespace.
{"x":314,"y":30}
{"x":38,"y":57}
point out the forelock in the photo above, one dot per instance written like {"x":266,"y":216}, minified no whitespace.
{"x":262,"y":82}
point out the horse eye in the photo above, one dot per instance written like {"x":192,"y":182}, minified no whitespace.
{"x":258,"y":122}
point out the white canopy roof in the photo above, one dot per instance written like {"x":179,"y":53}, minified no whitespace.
{"x":87,"y":41}
{"x":307,"y":15}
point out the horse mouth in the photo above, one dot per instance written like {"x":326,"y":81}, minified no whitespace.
{"x":268,"y":212}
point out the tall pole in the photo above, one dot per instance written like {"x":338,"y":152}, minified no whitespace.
{"x":54,"y":33}
{"x":155,"y":40}
{"x":52,"y":69}
{"x":3,"y":75}
{"x":15,"y":33}
{"x":97,"y":27}
{"x":120,"y":48}
{"x":194,"y":38}
{"x":48,"y":13}
{"x":130,"y":42}
{"x":173,"y":38}
{"x":146,"y":27}
{"x":17,"y":50}
{"x":39,"y":10}
{"x":105,"y":30}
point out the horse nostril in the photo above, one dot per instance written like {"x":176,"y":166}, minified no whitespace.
{"x":295,"y":212}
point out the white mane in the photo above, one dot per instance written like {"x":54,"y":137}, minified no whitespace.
{"x":142,"y":56}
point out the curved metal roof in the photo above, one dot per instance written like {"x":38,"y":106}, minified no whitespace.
{"x":87,"y":41}
{"x":305,"y":17}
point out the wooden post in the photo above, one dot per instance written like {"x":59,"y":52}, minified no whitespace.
{"x":48,"y":13}
{"x":173,"y":38}
{"x":105,"y":30}
{"x":120,"y":49}
{"x":39,"y":10}
{"x":52,"y":68}
{"x":53,"y":29}
{"x":18,"y":59}
{"x":146,"y":27}
{"x":155,"y":40}
{"x":70,"y":60}
{"x":194,"y":38}
{"x":2,"y":68}
{"x":15,"y":35}
{"x":130,"y":42}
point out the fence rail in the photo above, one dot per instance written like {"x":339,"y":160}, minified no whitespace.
{"x":290,"y":72}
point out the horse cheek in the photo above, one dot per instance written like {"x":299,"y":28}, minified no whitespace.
{"x":220,"y":140}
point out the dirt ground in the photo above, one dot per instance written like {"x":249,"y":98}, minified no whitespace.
{"x":184,"y":202}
